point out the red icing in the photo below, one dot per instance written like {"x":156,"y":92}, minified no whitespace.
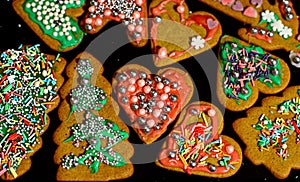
{"x":200,"y":20}
{"x":181,"y":91}
{"x":259,"y":36}
{"x":197,"y":128}
{"x":98,"y":20}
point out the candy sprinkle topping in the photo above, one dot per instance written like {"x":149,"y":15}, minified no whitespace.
{"x":243,"y":65}
{"x":28,"y":89}
{"x":274,"y":134}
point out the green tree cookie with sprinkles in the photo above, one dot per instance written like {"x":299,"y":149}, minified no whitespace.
{"x":86,"y":96}
{"x":54,"y":21}
{"x":94,"y":129}
{"x":246,"y":69}
{"x":271,"y":132}
{"x":28,"y":89}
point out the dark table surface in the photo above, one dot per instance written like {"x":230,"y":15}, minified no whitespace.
{"x":13,"y":32}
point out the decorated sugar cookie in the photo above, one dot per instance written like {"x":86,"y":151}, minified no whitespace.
{"x":132,"y":13}
{"x":270,"y":26}
{"x":92,"y":140}
{"x":244,"y":71}
{"x":271,"y":133}
{"x":196,"y":146}
{"x":151,"y":101}
{"x":29,"y":82}
{"x":199,"y":31}
{"x":54,"y":21}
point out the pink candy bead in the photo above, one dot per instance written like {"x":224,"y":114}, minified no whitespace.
{"x":160,"y":104}
{"x":141,"y":83}
{"x":132,"y":80}
{"x":211,"y":112}
{"x":139,"y":28}
{"x":167,"y":89}
{"x":147,"y":89}
{"x":150,"y":123}
{"x":92,"y":9}
{"x":159,"y":86}
{"x":229,"y":149}
{"x":136,"y":15}
{"x":107,"y":12}
{"x":156,"y":113}
{"x":139,"y":2}
{"x":98,"y":22}
{"x":180,"y":9}
{"x":88,"y":20}
{"x":134,"y":99}
{"x":131,"y":27}
{"x":164,"y":97}
{"x":131,"y":88}
{"x":162,"y":52}
{"x":142,"y":111}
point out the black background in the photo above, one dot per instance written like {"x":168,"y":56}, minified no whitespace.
{"x":14,"y":32}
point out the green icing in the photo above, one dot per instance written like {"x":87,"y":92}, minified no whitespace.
{"x":94,"y":129}
{"x":68,"y":36}
{"x":246,"y":63}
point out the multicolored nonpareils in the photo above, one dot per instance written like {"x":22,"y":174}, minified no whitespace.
{"x":28,"y":89}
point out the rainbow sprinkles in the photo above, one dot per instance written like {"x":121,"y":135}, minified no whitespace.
{"x":28,"y":89}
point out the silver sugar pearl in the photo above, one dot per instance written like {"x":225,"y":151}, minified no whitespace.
{"x":134,"y":107}
{"x":272,"y":61}
{"x":157,"y":19}
{"x":176,"y":136}
{"x":194,"y":111}
{"x":82,"y":62}
{"x":289,"y":16}
{"x":270,"y":34}
{"x":132,"y":73}
{"x":88,"y":27}
{"x":244,"y":90}
{"x":122,"y":77}
{"x":172,"y":154}
{"x":174,"y":85}
{"x":254,"y":30}
{"x":139,"y":21}
{"x":262,"y":31}
{"x":287,"y":9}
{"x":296,"y":59}
{"x":141,"y":120}
{"x":285,"y":2}
{"x":233,"y":45}
{"x":124,"y":100}
{"x":147,"y":129}
{"x":212,"y":168}
{"x":157,"y":127}
{"x":173,"y":98}
{"x":122,"y":89}
{"x":143,"y":75}
{"x":193,"y":163}
{"x":275,"y":72}
{"x":157,"y":78}
{"x":163,"y":117}
{"x":167,"y":109}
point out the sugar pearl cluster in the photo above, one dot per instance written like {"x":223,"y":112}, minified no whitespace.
{"x":52,"y":16}
{"x":95,"y":129}
{"x":126,"y":11}
{"x":150,"y":97}
{"x":86,"y":96}
{"x":28,"y":89}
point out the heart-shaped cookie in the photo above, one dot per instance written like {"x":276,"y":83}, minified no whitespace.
{"x":271,"y":132}
{"x":244,"y":71}
{"x":199,"y":31}
{"x":151,"y":101}
{"x":132,"y":13}
{"x":195,"y":145}
{"x":55,"y":22}
{"x":272,"y":26}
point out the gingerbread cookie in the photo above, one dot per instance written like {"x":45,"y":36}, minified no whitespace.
{"x":29,"y":83}
{"x":270,"y":26}
{"x":244,"y":71}
{"x":132,"y":13}
{"x":151,"y":101}
{"x":196,"y":146}
{"x":199,"y":31}
{"x":54,"y":21}
{"x":92,"y":140}
{"x":271,"y":133}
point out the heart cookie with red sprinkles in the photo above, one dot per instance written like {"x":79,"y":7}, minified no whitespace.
{"x":196,"y":146}
{"x":152,"y":101}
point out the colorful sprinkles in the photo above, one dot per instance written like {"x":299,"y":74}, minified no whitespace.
{"x":243,"y":65}
{"x":194,"y":146}
{"x":28,"y":85}
{"x":274,"y":134}
{"x":101,"y":134}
